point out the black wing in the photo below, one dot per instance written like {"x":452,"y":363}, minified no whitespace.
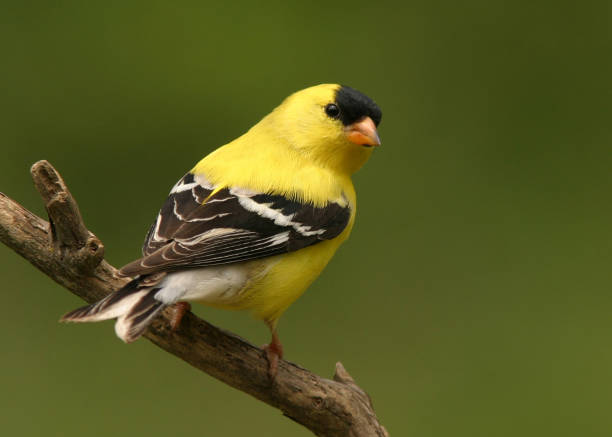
{"x":198,"y":226}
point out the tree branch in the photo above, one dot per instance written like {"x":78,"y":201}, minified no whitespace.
{"x":68,"y":253}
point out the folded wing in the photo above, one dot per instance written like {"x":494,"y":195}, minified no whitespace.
{"x":201,"y":225}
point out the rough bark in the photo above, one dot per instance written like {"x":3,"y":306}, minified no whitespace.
{"x":65,"y":250}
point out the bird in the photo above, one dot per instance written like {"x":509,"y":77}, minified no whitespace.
{"x":254,"y":223}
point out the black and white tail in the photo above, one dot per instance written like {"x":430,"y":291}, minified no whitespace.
{"x":134,"y":306}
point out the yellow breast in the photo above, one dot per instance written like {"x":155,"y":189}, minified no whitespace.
{"x":288,"y":277}
{"x":276,"y":282}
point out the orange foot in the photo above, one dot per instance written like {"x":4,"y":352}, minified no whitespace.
{"x":274,"y":352}
{"x":180,"y":309}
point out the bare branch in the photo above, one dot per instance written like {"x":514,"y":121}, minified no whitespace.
{"x":68,"y":253}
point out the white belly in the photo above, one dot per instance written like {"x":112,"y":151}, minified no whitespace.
{"x":214,"y":285}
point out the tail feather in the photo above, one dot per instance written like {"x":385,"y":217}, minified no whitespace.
{"x":132,"y":325}
{"x":112,"y":306}
{"x":134,"y":306}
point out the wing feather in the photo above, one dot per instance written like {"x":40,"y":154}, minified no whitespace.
{"x":201,"y":225}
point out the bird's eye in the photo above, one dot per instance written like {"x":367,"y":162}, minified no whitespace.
{"x":332,"y":110}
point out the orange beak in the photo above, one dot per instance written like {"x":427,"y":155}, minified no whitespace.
{"x":363,"y":132}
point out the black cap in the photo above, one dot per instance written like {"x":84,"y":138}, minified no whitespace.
{"x":355,"y":105}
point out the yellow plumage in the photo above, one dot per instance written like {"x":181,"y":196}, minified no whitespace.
{"x":256,"y":221}
{"x":298,"y":152}
{"x":295,"y":150}
{"x":279,"y":280}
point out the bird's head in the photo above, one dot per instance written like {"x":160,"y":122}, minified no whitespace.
{"x":331,"y":124}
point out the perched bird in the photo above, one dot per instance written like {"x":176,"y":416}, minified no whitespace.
{"x":254,"y":222}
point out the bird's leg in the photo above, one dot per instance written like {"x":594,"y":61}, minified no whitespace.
{"x":180,"y":309}
{"x":274,"y":352}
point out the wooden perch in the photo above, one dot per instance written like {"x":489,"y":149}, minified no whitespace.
{"x":68,"y":253}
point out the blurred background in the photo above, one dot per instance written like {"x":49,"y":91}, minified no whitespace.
{"x":474,"y":296}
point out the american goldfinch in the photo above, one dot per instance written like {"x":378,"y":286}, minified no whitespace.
{"x":254,"y":222}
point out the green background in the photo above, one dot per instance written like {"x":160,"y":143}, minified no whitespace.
{"x":473,"y":298}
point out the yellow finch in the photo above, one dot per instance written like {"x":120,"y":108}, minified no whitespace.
{"x":256,"y":221}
